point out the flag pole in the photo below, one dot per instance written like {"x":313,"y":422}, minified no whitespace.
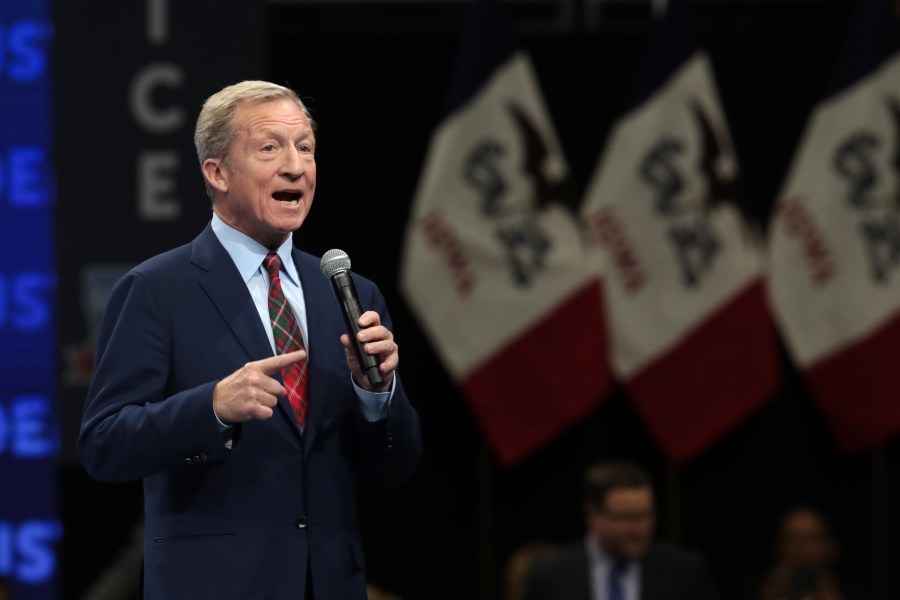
{"x":487,"y":574}
{"x":879,"y":524}
{"x":672,"y":503}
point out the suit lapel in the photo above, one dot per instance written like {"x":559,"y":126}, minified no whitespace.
{"x":316,"y":295}
{"x":580,"y":577}
{"x":651,"y":577}
{"x":226,"y":290}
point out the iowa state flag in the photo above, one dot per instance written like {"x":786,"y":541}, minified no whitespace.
{"x":689,"y":332}
{"x":495,"y":266}
{"x":835,"y":238}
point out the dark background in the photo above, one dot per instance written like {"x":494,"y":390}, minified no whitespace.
{"x":374,"y":75}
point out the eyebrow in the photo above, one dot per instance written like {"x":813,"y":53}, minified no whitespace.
{"x":265,"y":132}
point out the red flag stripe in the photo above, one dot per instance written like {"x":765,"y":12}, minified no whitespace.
{"x":544,"y":381}
{"x":857,"y":388}
{"x":719,"y":374}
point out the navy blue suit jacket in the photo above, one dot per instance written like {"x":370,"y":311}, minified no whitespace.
{"x":244,"y":522}
{"x":667,"y":573}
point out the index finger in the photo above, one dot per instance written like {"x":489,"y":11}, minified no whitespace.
{"x":370,"y":318}
{"x":274,"y":364}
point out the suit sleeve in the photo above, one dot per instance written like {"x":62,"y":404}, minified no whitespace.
{"x":389,"y":448}
{"x":131,"y":426}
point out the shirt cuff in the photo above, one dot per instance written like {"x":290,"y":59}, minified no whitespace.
{"x":225,"y":431}
{"x":374,"y":406}
{"x":222,"y":426}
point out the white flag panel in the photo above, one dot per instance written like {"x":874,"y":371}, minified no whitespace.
{"x":484,"y":258}
{"x":674,"y":251}
{"x":835,"y":235}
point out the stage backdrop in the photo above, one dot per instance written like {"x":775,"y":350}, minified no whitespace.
{"x":130,"y":81}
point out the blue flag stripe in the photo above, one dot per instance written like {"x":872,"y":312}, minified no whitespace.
{"x":487,"y":43}
{"x":873,"y":36}
{"x":673,"y":43}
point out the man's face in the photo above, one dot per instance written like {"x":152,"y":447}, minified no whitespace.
{"x":264,"y":187}
{"x":623,"y":527}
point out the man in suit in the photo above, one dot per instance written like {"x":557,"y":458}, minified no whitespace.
{"x":618,"y":559}
{"x":225,"y":380}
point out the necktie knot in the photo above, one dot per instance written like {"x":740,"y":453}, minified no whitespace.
{"x":272,"y":262}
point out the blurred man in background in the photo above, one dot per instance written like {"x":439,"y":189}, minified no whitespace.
{"x":618,"y":559}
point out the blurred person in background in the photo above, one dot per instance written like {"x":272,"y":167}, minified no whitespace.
{"x":618,"y":559}
{"x":805,"y":556}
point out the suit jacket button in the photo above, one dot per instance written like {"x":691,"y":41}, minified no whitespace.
{"x":389,"y":440}
{"x":300,"y":523}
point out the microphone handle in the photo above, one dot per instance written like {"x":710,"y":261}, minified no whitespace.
{"x":345,"y":292}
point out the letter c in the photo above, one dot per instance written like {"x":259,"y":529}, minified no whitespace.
{"x":152,"y":118}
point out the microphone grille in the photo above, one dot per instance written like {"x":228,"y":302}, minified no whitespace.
{"x":334,"y":261}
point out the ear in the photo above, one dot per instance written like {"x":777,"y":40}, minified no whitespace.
{"x":215,"y":174}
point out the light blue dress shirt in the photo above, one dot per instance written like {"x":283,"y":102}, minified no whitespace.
{"x":248,"y":255}
{"x":600,"y":565}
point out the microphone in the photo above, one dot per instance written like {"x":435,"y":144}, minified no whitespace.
{"x":335,"y":266}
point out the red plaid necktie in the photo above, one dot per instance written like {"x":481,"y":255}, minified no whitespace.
{"x":287,"y":339}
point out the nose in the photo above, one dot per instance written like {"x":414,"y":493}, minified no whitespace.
{"x":293,"y":165}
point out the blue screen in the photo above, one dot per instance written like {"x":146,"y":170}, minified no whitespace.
{"x":30,"y":529}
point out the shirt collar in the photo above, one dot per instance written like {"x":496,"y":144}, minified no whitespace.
{"x":597,"y":556}
{"x":248,"y":254}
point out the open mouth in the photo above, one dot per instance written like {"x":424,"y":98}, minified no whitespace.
{"x":288,"y":198}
